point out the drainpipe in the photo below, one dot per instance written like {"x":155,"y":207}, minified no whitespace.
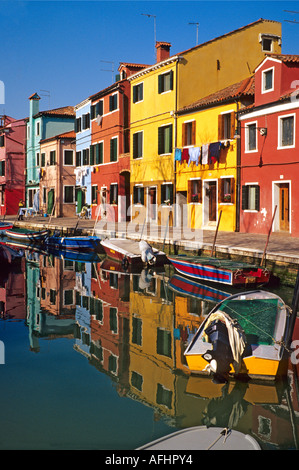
{"x":238,"y":182}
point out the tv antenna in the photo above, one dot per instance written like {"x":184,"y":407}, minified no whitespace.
{"x":197,"y":24}
{"x":292,"y":21}
{"x":109,"y":70}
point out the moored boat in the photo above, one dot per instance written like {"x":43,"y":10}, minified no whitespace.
{"x":183,"y":285}
{"x":130,"y":252}
{"x":79,"y":243}
{"x":9,"y":255}
{"x":26,"y":235}
{"x":5,"y":226}
{"x":202,"y":438}
{"x":232,"y":273}
{"x":244,"y":335}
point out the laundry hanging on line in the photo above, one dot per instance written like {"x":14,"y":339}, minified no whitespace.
{"x":194,"y":155}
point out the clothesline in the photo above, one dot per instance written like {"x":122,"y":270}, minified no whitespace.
{"x":207,"y":153}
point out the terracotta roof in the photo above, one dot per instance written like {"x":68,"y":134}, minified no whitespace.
{"x":64,"y":135}
{"x":129,"y":64}
{"x":286,"y":58}
{"x":67,"y":111}
{"x":243,"y":88}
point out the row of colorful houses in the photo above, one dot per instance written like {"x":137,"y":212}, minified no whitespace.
{"x":204,"y":136}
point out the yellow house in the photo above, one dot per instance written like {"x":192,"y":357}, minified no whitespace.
{"x":173,"y":83}
{"x":207,"y":158}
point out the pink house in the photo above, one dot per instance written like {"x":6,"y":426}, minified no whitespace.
{"x":12,"y":164}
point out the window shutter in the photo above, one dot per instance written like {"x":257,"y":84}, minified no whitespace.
{"x":141,"y":92}
{"x":220,"y":190}
{"x":78,"y":158}
{"x":220,"y":127}
{"x":160,"y":84}
{"x":134,"y":94}
{"x":171,"y":79}
{"x":200,"y":192}
{"x":257,"y":198}
{"x":160,"y":141}
{"x":101,"y":152}
{"x":184,"y":134}
{"x":233,"y":190}
{"x":92,"y":154}
{"x":93,"y":111}
{"x":189,"y":195}
{"x":170,"y":139}
{"x":193,"y":132}
{"x":244,"y":197}
{"x":232,"y":123}
{"x":134,"y":145}
{"x":110,"y":103}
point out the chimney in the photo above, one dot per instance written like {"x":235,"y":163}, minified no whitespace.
{"x":163,"y":50}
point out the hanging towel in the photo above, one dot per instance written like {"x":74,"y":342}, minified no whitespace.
{"x":205,"y":153}
{"x":185,"y":155}
{"x":194,"y":154}
{"x":178,"y":155}
{"x":214,"y":149}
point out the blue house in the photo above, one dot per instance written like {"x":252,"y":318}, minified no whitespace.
{"x":83,"y":142}
{"x":42,"y":125}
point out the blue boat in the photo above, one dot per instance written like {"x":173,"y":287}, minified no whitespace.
{"x":80,"y":243}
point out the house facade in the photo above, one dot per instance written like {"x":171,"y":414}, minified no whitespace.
{"x":83,"y":168}
{"x":173,"y":83}
{"x":12,"y":164}
{"x":269,"y":149}
{"x":109,"y":151}
{"x":42,"y":125}
{"x":206,"y":159}
{"x":57,"y":178}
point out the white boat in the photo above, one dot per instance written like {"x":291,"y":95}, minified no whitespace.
{"x":202,"y":438}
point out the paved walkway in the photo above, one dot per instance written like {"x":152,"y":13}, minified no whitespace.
{"x":282,"y":248}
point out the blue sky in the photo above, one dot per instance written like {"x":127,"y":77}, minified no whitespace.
{"x":69,"y":48}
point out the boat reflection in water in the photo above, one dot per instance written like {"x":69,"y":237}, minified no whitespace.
{"x":133,"y":329}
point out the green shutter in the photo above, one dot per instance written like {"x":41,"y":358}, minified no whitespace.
{"x":92,"y":155}
{"x":160,"y":84}
{"x":171,"y":79}
{"x":257,"y":198}
{"x":93,"y":111}
{"x":160,"y":140}
{"x":244,"y":197}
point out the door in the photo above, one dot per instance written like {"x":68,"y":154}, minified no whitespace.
{"x":284,"y":222}
{"x":152,"y":203}
{"x":212,"y":201}
{"x":50,"y":201}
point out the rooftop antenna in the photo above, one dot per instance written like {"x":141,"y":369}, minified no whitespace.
{"x":197,"y":24}
{"x":112,"y":68}
{"x":292,"y":21}
{"x":155,"y":35}
{"x":47,"y":94}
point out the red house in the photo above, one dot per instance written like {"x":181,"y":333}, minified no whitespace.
{"x":269,"y":168}
{"x":12,"y":164}
{"x":109,"y":151}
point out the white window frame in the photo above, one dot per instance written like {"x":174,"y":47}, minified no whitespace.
{"x":138,"y":132}
{"x":247,"y":125}
{"x":37,"y":128}
{"x":263,"y":80}
{"x":137,"y":85}
{"x":68,"y":150}
{"x":279,"y":127}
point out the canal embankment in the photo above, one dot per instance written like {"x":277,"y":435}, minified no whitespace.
{"x":281,"y":256}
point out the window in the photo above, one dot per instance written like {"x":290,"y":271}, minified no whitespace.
{"x":85,"y":121}
{"x":78,"y":158}
{"x":138,"y":195}
{"x":286,"y":131}
{"x":138,"y":93}
{"x":96,"y":153}
{"x":68,"y":157}
{"x":43,"y":159}
{"x":2,"y":140}
{"x":165,"y":82}
{"x":97,"y":109}
{"x":113,"y":102}
{"x":267,"y":44}
{"x":37,"y":158}
{"x":85,"y":159}
{"x":250,"y":137}
{"x":2,"y":168}
{"x":68,"y":297}
{"x":137,"y":331}
{"x":113,"y":149}
{"x":94,"y":194}
{"x":138,"y":145}
{"x":78,"y":125}
{"x":165,"y":139}
{"x":44,"y":195}
{"x":37,"y":128}
{"x":251,"y":197}
{"x":267,"y":77}
{"x":69,"y":194}
{"x":113,"y":193}
{"x":194,"y":191}
{"x":188,"y":137}
{"x":136,"y":380}
{"x":28,"y":132}
{"x":226,"y":190}
{"x":167,"y":193}
{"x":226,"y":126}
{"x":164,"y":342}
{"x":113,"y":320}
{"x":53,"y":157}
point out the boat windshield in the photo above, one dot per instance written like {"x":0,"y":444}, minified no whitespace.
{"x":256,"y":316}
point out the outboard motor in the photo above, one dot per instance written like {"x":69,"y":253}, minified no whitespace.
{"x":220,"y":357}
{"x":147,"y":254}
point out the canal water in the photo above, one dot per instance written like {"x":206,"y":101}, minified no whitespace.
{"x":93,"y":358}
